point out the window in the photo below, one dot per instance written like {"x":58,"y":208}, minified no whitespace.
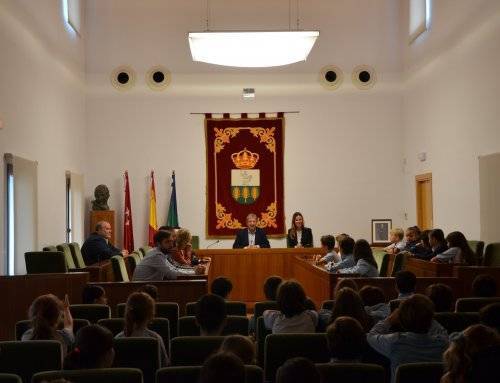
{"x":72,"y":12}
{"x":419,"y":20}
{"x":22,"y":211}
{"x":74,"y":208}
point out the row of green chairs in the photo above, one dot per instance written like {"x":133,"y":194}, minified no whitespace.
{"x":462,"y":305}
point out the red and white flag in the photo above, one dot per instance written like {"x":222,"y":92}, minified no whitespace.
{"x":128,"y":230}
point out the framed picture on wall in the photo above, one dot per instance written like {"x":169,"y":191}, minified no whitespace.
{"x":380,"y":231}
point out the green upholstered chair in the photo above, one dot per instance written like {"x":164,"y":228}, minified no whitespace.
{"x":90,"y":312}
{"x":195,"y":242}
{"x":186,"y":374}
{"x":478,"y":248}
{"x":144,"y":250}
{"x":281,"y":347}
{"x":261,"y":332}
{"x":141,"y":353}
{"x":19,"y":357}
{"x":119,"y":269}
{"x":115,"y":325}
{"x":64,"y":247}
{"x":492,"y":255}
{"x":108,"y":375}
{"x":384,"y":265}
{"x":139,"y":253}
{"x":167,"y":310}
{"x":328,"y":304}
{"x":10,"y":378}
{"x":234,"y":325}
{"x":232,"y":308}
{"x":42,"y":262}
{"x":474,"y":304}
{"x":428,"y":372}
{"x":50,"y":248}
{"x":399,"y":263}
{"x":24,"y":325}
{"x":260,"y":307}
{"x":454,"y":322}
{"x":131,"y":261}
{"x":351,"y":372}
{"x":77,"y":255}
{"x":193,"y":350}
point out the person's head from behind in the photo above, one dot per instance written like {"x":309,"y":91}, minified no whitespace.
{"x":345,"y":282}
{"x":406,"y":282}
{"x":183,"y":238}
{"x":241,"y":346}
{"x":490,"y":316}
{"x":139,"y":311}
{"x":457,"y":239}
{"x":222,"y":367}
{"x":103,"y":228}
{"x":93,"y":349}
{"x":297,"y":370}
{"x":396,"y":235}
{"x":363,"y":251}
{"x":349,"y":303}
{"x":93,"y":294}
{"x":436,"y":238}
{"x":291,"y":298}
{"x":221,"y":286}
{"x":346,"y":245}
{"x":346,"y":339}
{"x":442,"y":297}
{"x":484,"y":286}
{"x":46,"y":312}
{"x":328,"y":242}
{"x":412,"y":234}
{"x":424,"y":239}
{"x":271,"y":287}
{"x":211,"y":314}
{"x":151,"y":290}
{"x":164,"y":241}
{"x":416,"y":314}
{"x":372,"y":295}
{"x":467,"y":359}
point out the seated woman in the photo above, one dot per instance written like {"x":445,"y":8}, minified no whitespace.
{"x":93,"y":349}
{"x":139,"y":312}
{"x":293,"y":316}
{"x":458,"y":251}
{"x":365,"y":266}
{"x":183,"y":255}
{"x":298,"y":234}
{"x":46,"y":314}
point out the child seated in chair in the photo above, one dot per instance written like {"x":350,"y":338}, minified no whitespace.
{"x":398,"y":243}
{"x":293,"y":316}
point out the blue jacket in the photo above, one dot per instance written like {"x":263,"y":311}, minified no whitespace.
{"x":241,"y":240}
{"x":96,"y":249}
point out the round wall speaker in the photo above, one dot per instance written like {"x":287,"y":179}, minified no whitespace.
{"x":364,"y":77}
{"x":331,"y":77}
{"x":123,"y":78}
{"x":158,"y":78}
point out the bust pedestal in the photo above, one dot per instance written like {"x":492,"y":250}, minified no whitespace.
{"x":103,"y":215}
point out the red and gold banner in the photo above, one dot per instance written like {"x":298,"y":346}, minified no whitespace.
{"x":244,"y":174}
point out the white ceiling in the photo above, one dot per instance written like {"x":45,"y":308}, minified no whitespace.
{"x":150,"y":32}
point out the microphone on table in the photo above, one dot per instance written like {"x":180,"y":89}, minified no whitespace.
{"x":213,"y":243}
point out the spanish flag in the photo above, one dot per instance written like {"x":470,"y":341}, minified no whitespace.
{"x":153,"y":226}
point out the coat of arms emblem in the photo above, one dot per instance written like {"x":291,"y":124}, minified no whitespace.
{"x":245,"y":180}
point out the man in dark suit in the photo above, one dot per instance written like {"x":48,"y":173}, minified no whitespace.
{"x":252,"y":237}
{"x":97,"y":248}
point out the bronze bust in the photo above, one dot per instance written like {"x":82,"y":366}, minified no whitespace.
{"x":101,"y":194}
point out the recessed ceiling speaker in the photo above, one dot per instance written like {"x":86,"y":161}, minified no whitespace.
{"x":331,"y":77}
{"x":123,"y":78}
{"x":364,"y":77}
{"x":158,"y":78}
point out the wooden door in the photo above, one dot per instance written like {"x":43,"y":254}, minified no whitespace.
{"x":424,"y":201}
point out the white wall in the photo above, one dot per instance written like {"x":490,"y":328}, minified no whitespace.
{"x":42,"y":105}
{"x":451,"y":109}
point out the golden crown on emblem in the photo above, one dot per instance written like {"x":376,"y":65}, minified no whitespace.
{"x":245,"y":159}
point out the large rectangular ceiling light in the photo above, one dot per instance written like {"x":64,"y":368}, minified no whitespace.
{"x":252,"y":49}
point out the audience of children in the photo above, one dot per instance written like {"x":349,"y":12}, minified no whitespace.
{"x":346,"y":249}
{"x":328,"y":245}
{"x":93,"y":349}
{"x":412,"y":235}
{"x":365,"y":264}
{"x":293,"y":315}
{"x":222,"y":287}
{"x":349,"y":303}
{"x":93,"y":294}
{"x":396,"y":236}
{"x":458,"y":251}
{"x":375,"y":302}
{"x":139,"y":312}
{"x":241,"y":346}
{"x":211,"y":315}
{"x":47,"y":313}
{"x":442,"y":297}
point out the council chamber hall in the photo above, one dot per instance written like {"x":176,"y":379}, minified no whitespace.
{"x":270,"y":191}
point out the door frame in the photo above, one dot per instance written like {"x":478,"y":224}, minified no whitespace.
{"x":419,"y":178}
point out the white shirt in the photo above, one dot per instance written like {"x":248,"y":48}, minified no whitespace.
{"x":299,"y":236}
{"x":251,"y":238}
